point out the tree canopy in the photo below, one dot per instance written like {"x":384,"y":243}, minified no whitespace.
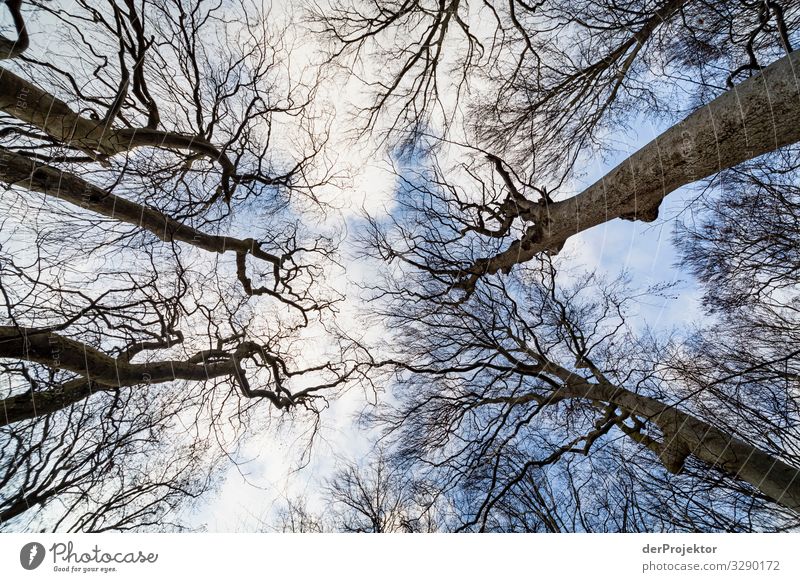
{"x":184,"y":266}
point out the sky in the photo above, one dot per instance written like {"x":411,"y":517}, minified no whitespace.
{"x":270,"y":471}
{"x":252,"y":493}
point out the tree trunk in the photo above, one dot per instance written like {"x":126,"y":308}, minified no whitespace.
{"x":22,"y":171}
{"x":31,"y":104}
{"x":98,"y":371}
{"x":757,"y":116}
{"x":685,"y":434}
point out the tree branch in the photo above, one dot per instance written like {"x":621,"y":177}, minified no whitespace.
{"x":755,"y":117}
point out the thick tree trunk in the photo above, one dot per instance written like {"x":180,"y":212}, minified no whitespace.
{"x":99,"y":372}
{"x":686,"y":435}
{"x":22,"y":171}
{"x":54,"y":117}
{"x":757,"y":116}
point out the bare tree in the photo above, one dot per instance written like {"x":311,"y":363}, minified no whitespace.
{"x":745,"y":358}
{"x":528,"y":373}
{"x":532,"y":399}
{"x":113,"y":463}
{"x":546,"y":78}
{"x":164,"y":255}
{"x":159,"y":263}
{"x":558,"y":76}
{"x":507,"y":373}
{"x":370,"y":496}
{"x":378,"y":497}
{"x":294,"y":516}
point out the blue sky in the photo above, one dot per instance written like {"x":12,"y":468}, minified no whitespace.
{"x":251,"y":493}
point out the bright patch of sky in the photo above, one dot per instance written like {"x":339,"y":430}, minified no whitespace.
{"x":277,"y":465}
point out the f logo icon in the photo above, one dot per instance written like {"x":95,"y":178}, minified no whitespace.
{"x":31,"y":555}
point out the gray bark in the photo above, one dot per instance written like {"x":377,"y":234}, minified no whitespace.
{"x":99,"y":372}
{"x":22,"y":171}
{"x":31,"y":104}
{"x":757,"y":116}
{"x":686,"y":435}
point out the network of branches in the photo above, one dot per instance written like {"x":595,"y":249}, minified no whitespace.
{"x":171,"y":267}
